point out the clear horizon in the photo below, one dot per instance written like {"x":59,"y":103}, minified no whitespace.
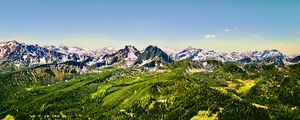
{"x":212,"y":25}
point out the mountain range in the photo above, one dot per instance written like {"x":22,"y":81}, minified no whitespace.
{"x":20,"y":54}
{"x":63,"y":82}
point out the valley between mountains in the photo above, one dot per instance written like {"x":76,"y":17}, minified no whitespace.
{"x":62,"y":82}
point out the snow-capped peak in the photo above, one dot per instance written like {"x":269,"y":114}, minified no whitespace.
{"x":8,"y":47}
{"x":187,"y":53}
{"x":171,"y":52}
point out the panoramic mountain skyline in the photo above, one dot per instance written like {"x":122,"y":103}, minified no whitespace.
{"x":22,"y":54}
{"x":223,"y":25}
{"x":150,"y":59}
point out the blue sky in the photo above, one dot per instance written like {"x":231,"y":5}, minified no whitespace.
{"x":227,"y":25}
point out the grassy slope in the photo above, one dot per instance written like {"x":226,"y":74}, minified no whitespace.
{"x":121,"y":94}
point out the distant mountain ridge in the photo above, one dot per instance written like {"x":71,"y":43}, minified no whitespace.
{"x":22,"y":54}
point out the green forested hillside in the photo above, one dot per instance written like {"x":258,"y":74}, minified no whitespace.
{"x":229,"y":92}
